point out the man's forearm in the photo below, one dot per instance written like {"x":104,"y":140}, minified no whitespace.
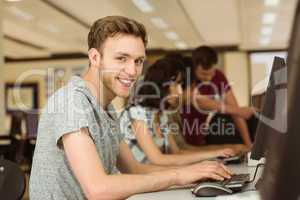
{"x":122,"y":186}
{"x":150,"y":168}
{"x":243,"y":129}
{"x":181,"y":159}
{"x":213,"y":105}
{"x":230,"y":109}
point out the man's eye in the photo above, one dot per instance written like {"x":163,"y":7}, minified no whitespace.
{"x":123,"y":59}
{"x":139,"y":62}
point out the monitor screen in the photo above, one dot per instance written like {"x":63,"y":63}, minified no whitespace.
{"x":272,"y":126}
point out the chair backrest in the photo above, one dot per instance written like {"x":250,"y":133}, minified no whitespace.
{"x":12,"y":180}
{"x":16,"y":123}
{"x":32,"y":120}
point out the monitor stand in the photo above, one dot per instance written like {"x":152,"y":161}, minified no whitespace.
{"x":259,"y":183}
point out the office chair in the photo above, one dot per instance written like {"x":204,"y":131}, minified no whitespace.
{"x":31,"y":120}
{"x":10,"y":142}
{"x":12,"y":180}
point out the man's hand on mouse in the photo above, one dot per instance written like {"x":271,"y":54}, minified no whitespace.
{"x":202,"y":171}
{"x":226,"y":152}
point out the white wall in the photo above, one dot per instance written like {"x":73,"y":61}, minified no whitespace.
{"x":261,"y":65}
{"x":236,"y":68}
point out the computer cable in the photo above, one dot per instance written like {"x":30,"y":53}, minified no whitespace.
{"x":255,"y":173}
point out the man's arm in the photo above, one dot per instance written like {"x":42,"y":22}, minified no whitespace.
{"x":96,"y":184}
{"x":206,"y":153}
{"x":227,"y":106}
{"x":240,"y":122}
{"x":237,"y":148}
{"x":128,"y":164}
{"x":155,"y":155}
{"x":204,"y":103}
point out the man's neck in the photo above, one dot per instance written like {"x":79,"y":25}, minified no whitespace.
{"x":103,"y":95}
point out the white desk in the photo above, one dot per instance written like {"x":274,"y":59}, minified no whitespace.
{"x":185,"y":194}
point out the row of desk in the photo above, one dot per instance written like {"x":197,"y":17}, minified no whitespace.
{"x":249,"y":192}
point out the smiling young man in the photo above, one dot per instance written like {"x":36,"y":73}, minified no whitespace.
{"x":79,"y":150}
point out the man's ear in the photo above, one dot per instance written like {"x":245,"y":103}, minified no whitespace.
{"x":94,"y":57}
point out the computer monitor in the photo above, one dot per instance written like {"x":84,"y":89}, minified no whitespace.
{"x":272,"y":118}
{"x":287,"y":180}
{"x":272,"y":126}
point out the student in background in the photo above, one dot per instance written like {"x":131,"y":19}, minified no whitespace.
{"x":145,"y":123}
{"x":175,"y":117}
{"x":210,"y":93}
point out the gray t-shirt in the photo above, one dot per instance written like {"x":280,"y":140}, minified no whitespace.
{"x":69,"y":109}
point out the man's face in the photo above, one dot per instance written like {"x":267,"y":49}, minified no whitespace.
{"x":204,"y":74}
{"x":121,"y":63}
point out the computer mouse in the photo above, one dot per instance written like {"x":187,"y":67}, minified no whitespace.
{"x":210,"y":189}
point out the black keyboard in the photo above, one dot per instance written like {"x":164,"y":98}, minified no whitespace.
{"x":229,"y":186}
{"x":236,"y":181}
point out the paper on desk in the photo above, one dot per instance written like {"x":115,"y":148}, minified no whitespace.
{"x":251,"y":195}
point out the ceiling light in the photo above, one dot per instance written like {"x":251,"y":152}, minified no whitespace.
{"x":271,"y":2}
{"x":266,"y":30}
{"x":265,"y":40}
{"x":143,"y":5}
{"x":49,"y":27}
{"x":269,"y":18}
{"x":52,"y":28}
{"x":171,"y":35}
{"x":20,"y":13}
{"x":181,"y":45}
{"x":159,"y":23}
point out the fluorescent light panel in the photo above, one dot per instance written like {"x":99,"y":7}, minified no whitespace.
{"x":20,"y":13}
{"x":266,"y":31}
{"x":159,"y":23}
{"x":181,"y":45}
{"x":269,"y":18}
{"x":51,"y":28}
{"x":171,"y":35}
{"x":272,"y":2}
{"x":265,"y":41}
{"x":143,"y":5}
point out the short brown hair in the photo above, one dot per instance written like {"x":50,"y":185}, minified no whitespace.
{"x":110,"y":26}
{"x":204,"y":56}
